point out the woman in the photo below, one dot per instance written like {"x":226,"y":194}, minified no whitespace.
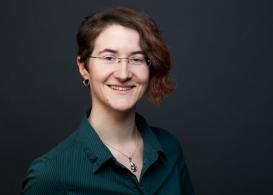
{"x":114,"y":151}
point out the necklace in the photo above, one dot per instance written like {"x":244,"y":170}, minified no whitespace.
{"x":133,"y":166}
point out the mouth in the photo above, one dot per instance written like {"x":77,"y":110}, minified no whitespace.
{"x":121,"y":87}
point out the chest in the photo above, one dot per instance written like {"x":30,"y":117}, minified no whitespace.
{"x":114,"y":178}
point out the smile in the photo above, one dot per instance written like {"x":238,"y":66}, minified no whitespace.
{"x":121,"y":88}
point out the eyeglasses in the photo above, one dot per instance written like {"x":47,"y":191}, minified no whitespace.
{"x":135,"y":60}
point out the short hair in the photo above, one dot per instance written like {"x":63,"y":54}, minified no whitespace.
{"x":151,"y":43}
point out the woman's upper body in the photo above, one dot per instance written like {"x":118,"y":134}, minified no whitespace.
{"x":82,"y":164}
{"x":121,"y":57}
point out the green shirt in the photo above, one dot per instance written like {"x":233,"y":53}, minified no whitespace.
{"x":82,"y":165}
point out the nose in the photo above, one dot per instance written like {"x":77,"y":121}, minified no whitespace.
{"x":123,"y":72}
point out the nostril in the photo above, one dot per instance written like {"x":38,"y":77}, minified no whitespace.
{"x":122,"y":76}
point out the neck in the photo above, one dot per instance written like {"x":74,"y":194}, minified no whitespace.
{"x":114,"y":127}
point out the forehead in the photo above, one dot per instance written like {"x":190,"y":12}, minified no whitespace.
{"x":118,"y":38}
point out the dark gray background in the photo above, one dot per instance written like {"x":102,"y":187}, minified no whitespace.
{"x":221,"y":110}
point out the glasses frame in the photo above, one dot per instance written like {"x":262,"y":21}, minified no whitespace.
{"x":118,"y":60}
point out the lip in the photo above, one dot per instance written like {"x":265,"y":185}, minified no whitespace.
{"x":121,"y":89}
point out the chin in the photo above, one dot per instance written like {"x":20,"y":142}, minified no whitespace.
{"x":122,"y":106}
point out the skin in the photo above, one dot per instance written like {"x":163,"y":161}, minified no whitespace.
{"x":117,"y":107}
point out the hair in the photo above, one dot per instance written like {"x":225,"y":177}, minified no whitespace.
{"x":151,"y":43}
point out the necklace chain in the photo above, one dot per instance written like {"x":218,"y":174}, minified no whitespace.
{"x":133,"y":166}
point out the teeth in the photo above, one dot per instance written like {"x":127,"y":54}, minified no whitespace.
{"x":120,"y":88}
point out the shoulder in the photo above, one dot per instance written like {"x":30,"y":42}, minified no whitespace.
{"x":46,"y":172}
{"x":40,"y":179}
{"x":64,"y":149}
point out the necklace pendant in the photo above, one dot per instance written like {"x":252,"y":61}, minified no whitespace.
{"x":133,"y":166}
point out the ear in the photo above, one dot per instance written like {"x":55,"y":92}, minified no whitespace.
{"x":83,"y":71}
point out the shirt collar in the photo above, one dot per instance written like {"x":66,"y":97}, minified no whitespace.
{"x":151,"y":142}
{"x":96,"y":151}
{"x":99,"y":154}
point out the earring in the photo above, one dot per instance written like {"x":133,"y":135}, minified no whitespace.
{"x":85,"y":82}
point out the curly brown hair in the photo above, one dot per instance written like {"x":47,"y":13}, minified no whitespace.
{"x":151,"y":43}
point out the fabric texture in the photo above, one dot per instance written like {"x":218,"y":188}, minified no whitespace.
{"x":82,"y":165}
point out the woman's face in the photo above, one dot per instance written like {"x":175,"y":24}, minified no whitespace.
{"x":117,"y":86}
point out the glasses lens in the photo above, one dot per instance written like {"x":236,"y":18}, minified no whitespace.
{"x":108,"y":59}
{"x":137,"y":61}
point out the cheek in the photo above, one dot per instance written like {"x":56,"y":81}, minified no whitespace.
{"x":144,"y":78}
{"x":97,"y":75}
{"x":143,"y":81}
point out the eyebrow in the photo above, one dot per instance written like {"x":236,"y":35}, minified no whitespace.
{"x":115,"y":51}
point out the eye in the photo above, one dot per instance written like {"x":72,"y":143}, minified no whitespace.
{"x":109,"y":58}
{"x":137,"y":59}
